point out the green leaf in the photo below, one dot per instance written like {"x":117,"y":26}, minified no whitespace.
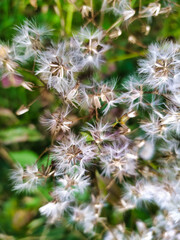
{"x":24,"y":157}
{"x":20,"y":134}
{"x":101,"y":184}
{"x":88,"y":137}
{"x":127,"y":56}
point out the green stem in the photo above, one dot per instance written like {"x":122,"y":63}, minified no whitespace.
{"x":127,"y":56}
{"x":69,"y":18}
{"x":61,"y":15}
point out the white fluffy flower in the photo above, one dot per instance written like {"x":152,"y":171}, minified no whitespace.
{"x":154,"y":129}
{"x":99,"y":131}
{"x":57,"y":66}
{"x":117,"y":232}
{"x":91,"y":46}
{"x":159,"y":69}
{"x":71,"y":184}
{"x":57,"y":121}
{"x":25,"y":179}
{"x":73,"y":151}
{"x":122,"y":8}
{"x":142,"y":191}
{"x":164,"y":228}
{"x":133,"y":95}
{"x":85,"y":217}
{"x":53,"y":210}
{"x":29,"y":39}
{"x":118,"y":160}
{"x":75,"y":95}
{"x":102,"y":92}
{"x":172,"y":120}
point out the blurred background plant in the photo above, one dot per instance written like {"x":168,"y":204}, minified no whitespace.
{"x":22,"y":138}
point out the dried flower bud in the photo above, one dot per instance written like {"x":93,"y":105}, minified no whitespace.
{"x":23,"y":109}
{"x":146,"y":29}
{"x":132,"y":39}
{"x":96,"y":102}
{"x":85,"y":11}
{"x":153,"y":9}
{"x":115,"y":33}
{"x":27,"y":85}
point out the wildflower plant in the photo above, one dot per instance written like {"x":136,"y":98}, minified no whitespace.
{"x":93,"y":147}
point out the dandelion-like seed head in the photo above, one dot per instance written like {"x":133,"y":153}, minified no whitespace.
{"x":160,"y":67}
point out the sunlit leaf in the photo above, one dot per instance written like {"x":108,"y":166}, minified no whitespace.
{"x":88,"y":137}
{"x":24,"y":157}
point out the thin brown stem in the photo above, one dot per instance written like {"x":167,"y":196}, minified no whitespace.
{"x":96,"y":114}
{"x":34,"y":63}
{"x":114,"y":25}
{"x":45,"y":150}
{"x":111,"y":183}
{"x":92,"y":10}
{"x":91,"y":20}
{"x":140,"y":5}
{"x":108,"y":229}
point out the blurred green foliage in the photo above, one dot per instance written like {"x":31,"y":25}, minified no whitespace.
{"x":21,"y":138}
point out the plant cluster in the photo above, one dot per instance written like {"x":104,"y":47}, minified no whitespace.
{"x":94,"y":147}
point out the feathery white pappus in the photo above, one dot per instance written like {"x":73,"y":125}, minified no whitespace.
{"x":121,"y":8}
{"x":25,"y":179}
{"x":154,"y":128}
{"x":99,"y":131}
{"x":102,"y":92}
{"x":92,"y":47}
{"x":54,"y":210}
{"x":57,"y":121}
{"x":133,"y":95}
{"x":29,"y":39}
{"x":58,"y":64}
{"x":73,"y":151}
{"x":71,"y":184}
{"x":84,"y":216}
{"x":117,"y":160}
{"x":160,"y":67}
